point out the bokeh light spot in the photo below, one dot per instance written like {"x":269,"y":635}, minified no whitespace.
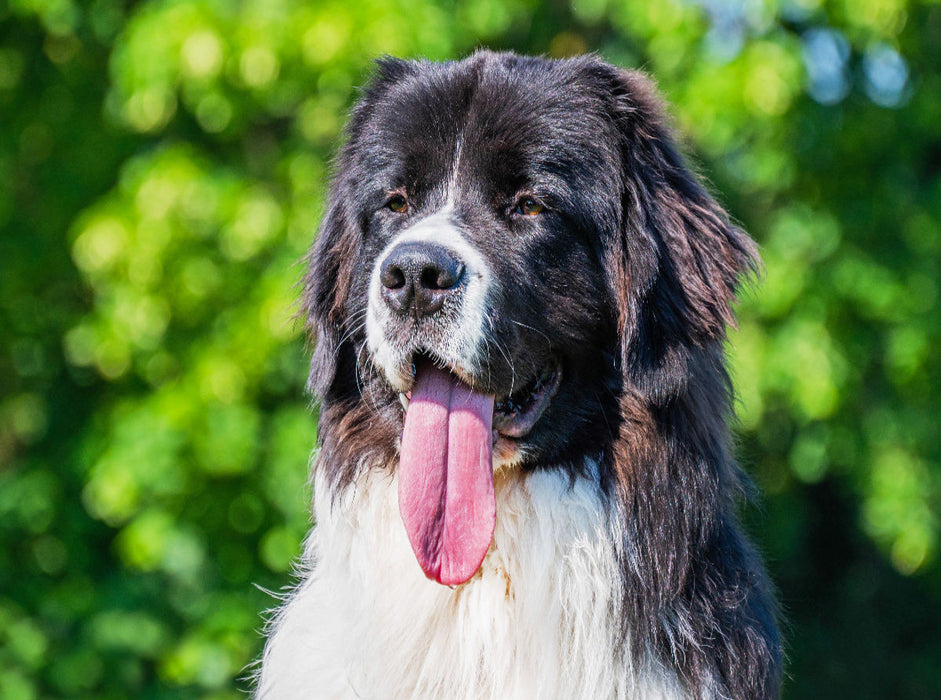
{"x":202,"y":54}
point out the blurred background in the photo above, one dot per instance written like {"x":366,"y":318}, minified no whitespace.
{"x":162,"y":170}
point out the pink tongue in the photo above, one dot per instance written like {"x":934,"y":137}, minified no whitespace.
{"x":446,"y":475}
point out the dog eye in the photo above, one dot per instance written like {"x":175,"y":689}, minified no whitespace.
{"x":528,"y":206}
{"x":397,"y":203}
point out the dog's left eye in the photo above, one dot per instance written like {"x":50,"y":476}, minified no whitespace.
{"x":529,"y":206}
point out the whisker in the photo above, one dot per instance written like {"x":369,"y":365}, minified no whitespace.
{"x":496,"y":343}
{"x":534,"y":330}
{"x":363,"y":363}
{"x":359,"y":324}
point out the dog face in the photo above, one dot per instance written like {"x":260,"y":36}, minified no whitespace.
{"x":480,"y":250}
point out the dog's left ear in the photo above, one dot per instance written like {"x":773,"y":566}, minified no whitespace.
{"x":677,"y":261}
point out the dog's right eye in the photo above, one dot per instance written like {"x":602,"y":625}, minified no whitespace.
{"x":529,"y":206}
{"x":397,"y":203}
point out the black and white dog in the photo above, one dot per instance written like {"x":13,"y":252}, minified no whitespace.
{"x":524,"y":487}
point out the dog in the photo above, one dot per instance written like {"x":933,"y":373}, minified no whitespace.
{"x":524,"y":486}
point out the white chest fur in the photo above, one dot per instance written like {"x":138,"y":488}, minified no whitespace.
{"x":537,"y":621}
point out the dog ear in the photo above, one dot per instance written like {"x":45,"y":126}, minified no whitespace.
{"x":677,"y":261}
{"x":331,"y":259}
{"x":326,"y":288}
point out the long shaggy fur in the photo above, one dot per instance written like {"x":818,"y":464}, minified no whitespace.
{"x":618,"y":567}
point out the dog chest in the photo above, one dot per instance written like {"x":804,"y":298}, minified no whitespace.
{"x":538,"y":620}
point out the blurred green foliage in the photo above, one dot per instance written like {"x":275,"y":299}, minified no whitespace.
{"x":162,"y":169}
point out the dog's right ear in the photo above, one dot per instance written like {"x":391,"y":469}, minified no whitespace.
{"x":326,"y":288}
{"x":330,"y":261}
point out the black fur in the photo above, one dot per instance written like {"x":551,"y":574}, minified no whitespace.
{"x":628,"y":278}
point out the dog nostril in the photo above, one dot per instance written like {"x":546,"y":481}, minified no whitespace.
{"x":391,"y":275}
{"x":441,"y":276}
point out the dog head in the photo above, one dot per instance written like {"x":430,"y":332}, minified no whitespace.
{"x":514,"y":242}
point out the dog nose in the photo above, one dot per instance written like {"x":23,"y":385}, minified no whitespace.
{"x":417,"y":277}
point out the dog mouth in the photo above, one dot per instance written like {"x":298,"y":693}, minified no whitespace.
{"x":445,"y":471}
{"x":514,"y":414}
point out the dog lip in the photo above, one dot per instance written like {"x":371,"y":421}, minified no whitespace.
{"x":516,"y":415}
{"x":409,"y":369}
